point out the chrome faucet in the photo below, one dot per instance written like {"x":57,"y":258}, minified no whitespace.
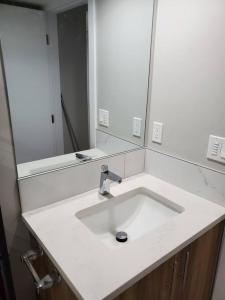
{"x":106,"y":176}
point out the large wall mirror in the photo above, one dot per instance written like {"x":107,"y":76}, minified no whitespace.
{"x":77,"y":78}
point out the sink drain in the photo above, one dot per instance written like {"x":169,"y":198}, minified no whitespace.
{"x":121,"y":236}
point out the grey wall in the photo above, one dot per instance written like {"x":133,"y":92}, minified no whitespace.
{"x":188,"y":95}
{"x":73,"y":73}
{"x":16,"y":233}
{"x":123,"y":39}
{"x":188,"y":77}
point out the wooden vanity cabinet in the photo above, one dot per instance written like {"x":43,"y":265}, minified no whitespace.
{"x":202,"y":265}
{"x":189,"y":275}
{"x":59,"y":291}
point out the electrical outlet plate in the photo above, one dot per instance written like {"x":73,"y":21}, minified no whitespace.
{"x":216,"y":149}
{"x":157,"y":132}
{"x":103,"y":117}
{"x":137,"y":127}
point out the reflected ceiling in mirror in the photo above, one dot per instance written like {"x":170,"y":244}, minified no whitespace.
{"x":77,"y":79}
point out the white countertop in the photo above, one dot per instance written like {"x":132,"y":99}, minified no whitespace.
{"x":93,"y":270}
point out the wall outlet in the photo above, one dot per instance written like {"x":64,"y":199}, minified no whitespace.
{"x":103,"y":117}
{"x":216,"y":149}
{"x":157,"y":132}
{"x":137,"y":127}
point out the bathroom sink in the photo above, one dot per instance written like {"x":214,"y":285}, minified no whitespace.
{"x":136,"y":213}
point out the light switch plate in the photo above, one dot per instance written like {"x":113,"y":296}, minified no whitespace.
{"x":157,"y":132}
{"x":137,"y":127}
{"x":216,"y":149}
{"x":222,"y":153}
{"x":103,"y":117}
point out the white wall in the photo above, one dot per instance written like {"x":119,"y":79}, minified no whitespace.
{"x":17,"y":236}
{"x":123,"y":39}
{"x":188,"y":90}
{"x":187,"y":94}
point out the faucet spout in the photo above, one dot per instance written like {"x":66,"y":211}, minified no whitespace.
{"x":106,"y":177}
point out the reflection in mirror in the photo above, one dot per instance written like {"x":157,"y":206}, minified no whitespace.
{"x":77,"y":79}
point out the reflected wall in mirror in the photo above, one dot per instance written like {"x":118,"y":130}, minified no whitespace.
{"x":77,"y":78}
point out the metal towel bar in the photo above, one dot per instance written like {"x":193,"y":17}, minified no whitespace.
{"x":40,"y":283}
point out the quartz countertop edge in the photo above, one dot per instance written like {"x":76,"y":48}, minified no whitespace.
{"x":94,"y":271}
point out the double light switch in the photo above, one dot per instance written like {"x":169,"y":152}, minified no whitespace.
{"x":216,"y":148}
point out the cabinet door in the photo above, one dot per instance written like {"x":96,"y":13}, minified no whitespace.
{"x":180,"y":273}
{"x":59,"y":291}
{"x":201,"y":265}
{"x":189,"y":275}
{"x":155,"y":286}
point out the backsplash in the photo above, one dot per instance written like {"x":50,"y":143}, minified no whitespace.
{"x":194,"y":178}
{"x":54,"y":186}
{"x":45,"y":189}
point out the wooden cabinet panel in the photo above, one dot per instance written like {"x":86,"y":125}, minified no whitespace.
{"x":59,"y":291}
{"x":155,"y":286}
{"x":189,"y":275}
{"x":202,"y":265}
{"x":180,"y":273}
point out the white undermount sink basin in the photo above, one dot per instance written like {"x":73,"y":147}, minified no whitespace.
{"x":136,"y":212}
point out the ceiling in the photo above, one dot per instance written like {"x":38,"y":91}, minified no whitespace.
{"x":36,"y":2}
{"x":54,"y":5}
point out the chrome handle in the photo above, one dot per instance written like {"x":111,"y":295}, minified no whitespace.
{"x":40,"y":283}
{"x":174,"y":276}
{"x":186,"y":268}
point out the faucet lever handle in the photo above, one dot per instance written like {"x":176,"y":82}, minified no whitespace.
{"x":104,"y":168}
